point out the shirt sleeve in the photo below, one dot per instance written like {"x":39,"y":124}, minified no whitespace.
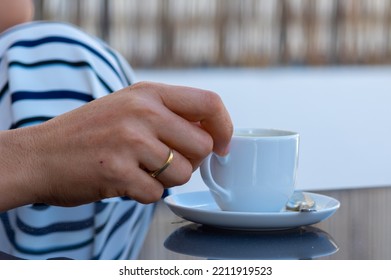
{"x":47,"y":69}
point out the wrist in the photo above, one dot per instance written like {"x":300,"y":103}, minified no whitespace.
{"x":18,"y":164}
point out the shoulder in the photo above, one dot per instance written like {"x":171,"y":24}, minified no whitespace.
{"x":63,"y":39}
{"x":35,"y":34}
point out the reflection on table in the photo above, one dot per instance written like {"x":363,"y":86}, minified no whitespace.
{"x":212,"y":243}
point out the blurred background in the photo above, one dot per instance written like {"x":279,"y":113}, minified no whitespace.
{"x":256,"y":33}
{"x":318,"y":67}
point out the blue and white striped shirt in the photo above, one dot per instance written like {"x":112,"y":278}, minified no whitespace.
{"x":46,"y":69}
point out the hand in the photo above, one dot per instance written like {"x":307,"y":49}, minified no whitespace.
{"x":106,"y":147}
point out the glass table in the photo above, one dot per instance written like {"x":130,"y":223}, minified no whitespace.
{"x":359,"y":229}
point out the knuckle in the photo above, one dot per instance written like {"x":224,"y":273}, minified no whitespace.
{"x":115,"y":172}
{"x":186,"y":175}
{"x":144,"y":109}
{"x":205,"y":146}
{"x":141,"y":84}
{"x":145,"y":87}
{"x":150,"y":196}
{"x":139,"y":104}
{"x":134,"y":139}
{"x":230,"y":128}
{"x":182,"y":175}
{"x":213,"y":100}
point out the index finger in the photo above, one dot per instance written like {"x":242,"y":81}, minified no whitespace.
{"x":203,"y":106}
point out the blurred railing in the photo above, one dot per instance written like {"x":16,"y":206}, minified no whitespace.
{"x":182,"y":33}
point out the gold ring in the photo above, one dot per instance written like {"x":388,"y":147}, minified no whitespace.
{"x":156,"y":173}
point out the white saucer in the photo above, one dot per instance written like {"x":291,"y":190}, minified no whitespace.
{"x":200,"y":207}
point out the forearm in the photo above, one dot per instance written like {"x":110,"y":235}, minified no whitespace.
{"x":16,"y":162}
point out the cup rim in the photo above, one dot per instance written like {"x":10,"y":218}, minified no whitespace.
{"x":244,"y":132}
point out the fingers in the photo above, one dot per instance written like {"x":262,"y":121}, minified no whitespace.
{"x":190,"y":121}
{"x":143,"y":188}
{"x":189,"y":139}
{"x":204,"y":107}
{"x":154,"y":154}
{"x":177,"y":173}
{"x":147,"y":189}
{"x":197,"y":106}
{"x":150,"y":189}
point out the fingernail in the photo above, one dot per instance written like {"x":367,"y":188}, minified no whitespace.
{"x":224,"y":151}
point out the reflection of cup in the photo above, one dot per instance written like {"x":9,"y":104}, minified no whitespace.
{"x":211,"y":243}
{"x":258,"y":174}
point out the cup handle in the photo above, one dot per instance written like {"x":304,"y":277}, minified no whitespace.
{"x":208,"y":178}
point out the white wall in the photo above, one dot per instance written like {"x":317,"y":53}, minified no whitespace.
{"x":343,"y":116}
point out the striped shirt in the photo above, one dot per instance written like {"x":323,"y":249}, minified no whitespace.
{"x":47,"y":69}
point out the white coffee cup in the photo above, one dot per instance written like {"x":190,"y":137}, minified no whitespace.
{"x":258,"y":174}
